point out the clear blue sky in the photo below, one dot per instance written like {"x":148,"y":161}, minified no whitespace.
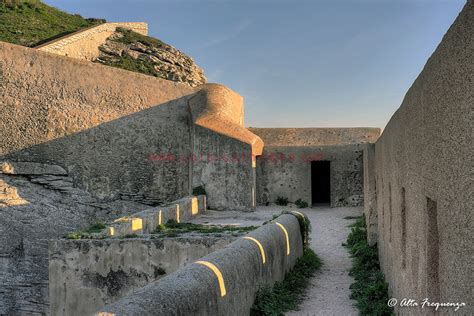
{"x":328,"y":63}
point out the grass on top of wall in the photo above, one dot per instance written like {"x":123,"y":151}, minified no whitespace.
{"x":369,"y":289}
{"x":172,"y":228}
{"x":31,"y":22}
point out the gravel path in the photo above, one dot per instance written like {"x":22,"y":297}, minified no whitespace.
{"x":329,"y":291}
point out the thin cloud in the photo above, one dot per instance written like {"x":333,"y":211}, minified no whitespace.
{"x":241,"y":27}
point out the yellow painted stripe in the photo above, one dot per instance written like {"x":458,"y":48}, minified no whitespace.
{"x":299,"y":213}
{"x":194,"y":206}
{"x":177,"y":213}
{"x":218,"y":274}
{"x":160,"y":220}
{"x":287,"y":238}
{"x":111,"y":231}
{"x":262,"y":251}
{"x":137,"y":224}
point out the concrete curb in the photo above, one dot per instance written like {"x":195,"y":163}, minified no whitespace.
{"x":224,"y":282}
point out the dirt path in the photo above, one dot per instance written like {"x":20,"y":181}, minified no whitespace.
{"x":329,"y":290}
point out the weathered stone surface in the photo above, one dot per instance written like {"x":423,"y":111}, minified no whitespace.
{"x":30,"y":215}
{"x":31,"y":168}
{"x":193,"y":290}
{"x":99,"y":272}
{"x":9,"y":195}
{"x":284,"y":169}
{"x":424,"y":185}
{"x":167,"y":62}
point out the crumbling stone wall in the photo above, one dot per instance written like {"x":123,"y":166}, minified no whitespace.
{"x":423,"y":175}
{"x":284,"y":169}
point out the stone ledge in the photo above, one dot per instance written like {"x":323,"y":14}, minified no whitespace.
{"x":31,"y":168}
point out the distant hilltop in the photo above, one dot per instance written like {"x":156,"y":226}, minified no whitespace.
{"x":123,"y":45}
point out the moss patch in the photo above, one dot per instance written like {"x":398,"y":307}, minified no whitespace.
{"x":369,"y":289}
{"x":172,"y":228}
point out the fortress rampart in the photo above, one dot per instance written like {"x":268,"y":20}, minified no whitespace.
{"x":84,"y":44}
{"x":420,"y":190}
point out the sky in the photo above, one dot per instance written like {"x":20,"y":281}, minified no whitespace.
{"x":297,"y":63}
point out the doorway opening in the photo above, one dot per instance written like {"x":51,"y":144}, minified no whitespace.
{"x":320,"y":182}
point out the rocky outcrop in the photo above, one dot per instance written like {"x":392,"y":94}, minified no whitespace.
{"x":136,"y":52}
{"x":37,"y":203}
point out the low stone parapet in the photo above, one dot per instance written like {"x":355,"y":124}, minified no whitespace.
{"x":87,"y":274}
{"x":226,"y":281}
{"x":147,"y":221}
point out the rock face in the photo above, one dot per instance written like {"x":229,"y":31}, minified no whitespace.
{"x":136,"y":52}
{"x":39,"y":203}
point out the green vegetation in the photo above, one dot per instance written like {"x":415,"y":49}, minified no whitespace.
{"x":199,"y":190}
{"x":352,"y":217}
{"x":131,"y":37}
{"x":93,"y":229}
{"x":283,"y":201}
{"x":30,"y":22}
{"x":288,"y":294}
{"x":172,"y":229}
{"x":301,"y":204}
{"x":369,"y":289}
{"x":142,"y":64}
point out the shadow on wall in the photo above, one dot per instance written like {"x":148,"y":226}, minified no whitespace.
{"x":112,"y":160}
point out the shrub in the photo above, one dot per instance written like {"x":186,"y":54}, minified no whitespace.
{"x":301,"y":204}
{"x":281,"y":201}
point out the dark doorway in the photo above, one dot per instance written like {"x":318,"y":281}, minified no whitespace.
{"x":320,"y":182}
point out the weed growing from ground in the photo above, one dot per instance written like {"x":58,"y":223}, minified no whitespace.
{"x":287,"y":295}
{"x":301,"y":204}
{"x":369,"y":289}
{"x":283,"y":201}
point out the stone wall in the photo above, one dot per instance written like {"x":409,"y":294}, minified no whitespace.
{"x":99,"y":123}
{"x":423,"y":176}
{"x":37,"y":203}
{"x":224,"y":282}
{"x":84,"y":44}
{"x":85,"y":275}
{"x":370,"y":194}
{"x":117,"y":133}
{"x":119,"y":136}
{"x":284,"y":169}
